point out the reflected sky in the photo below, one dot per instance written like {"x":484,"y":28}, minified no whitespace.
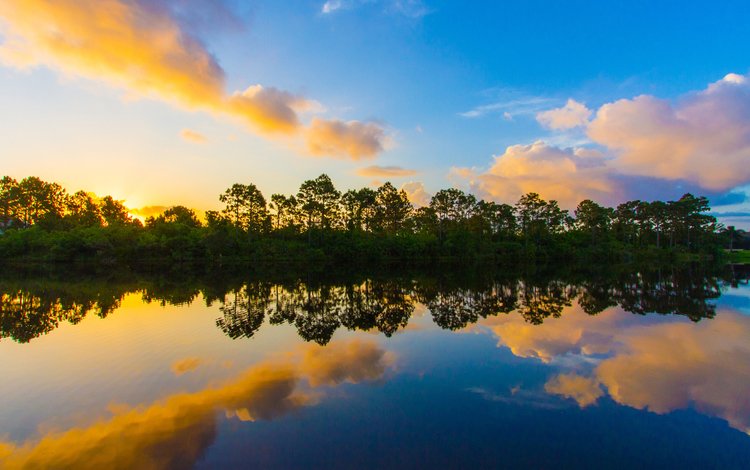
{"x":415,"y":372}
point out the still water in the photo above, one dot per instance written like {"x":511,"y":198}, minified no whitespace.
{"x":633,"y":368}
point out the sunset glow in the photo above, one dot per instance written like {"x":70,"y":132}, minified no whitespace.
{"x":170,"y":102}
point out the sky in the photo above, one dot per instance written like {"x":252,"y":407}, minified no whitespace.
{"x":164,"y":102}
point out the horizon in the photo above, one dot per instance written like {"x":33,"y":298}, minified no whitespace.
{"x":170,"y":102}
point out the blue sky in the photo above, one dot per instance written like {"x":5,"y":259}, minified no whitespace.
{"x":449,"y":93}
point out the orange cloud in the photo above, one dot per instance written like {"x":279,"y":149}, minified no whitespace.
{"x":193,"y":136}
{"x":671,"y":366}
{"x":703,"y":138}
{"x":115,"y":41}
{"x":186,"y":365}
{"x":269,"y":109}
{"x":568,"y":176}
{"x":355,"y":139}
{"x":141,"y":48}
{"x":147,"y":211}
{"x":354,"y":362}
{"x":174,"y":432}
{"x":416,"y":193}
{"x":377,"y":171}
{"x":660,"y":367}
{"x":583,"y":390}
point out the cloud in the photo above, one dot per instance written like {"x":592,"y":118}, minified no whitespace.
{"x":583,"y":390}
{"x":354,"y":362}
{"x":416,"y":193}
{"x":186,"y":365}
{"x":355,"y":139}
{"x":573,"y":114}
{"x":663,"y":366}
{"x":119,"y":42}
{"x":147,"y":211}
{"x":193,"y":136}
{"x":704,"y":137}
{"x":331,"y":5}
{"x":565,"y":175}
{"x":645,"y":148}
{"x":176,"y":431}
{"x":671,"y":366}
{"x":269,"y":109}
{"x":377,"y":171}
{"x":408,"y":8}
{"x":143,"y":48}
{"x":509,"y":106}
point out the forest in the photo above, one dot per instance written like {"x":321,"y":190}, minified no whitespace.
{"x":41,"y":223}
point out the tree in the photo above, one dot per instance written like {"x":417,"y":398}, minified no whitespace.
{"x":452,"y":208}
{"x":592,"y":218}
{"x":392,"y":209}
{"x":114,"y":213}
{"x":176,"y":215}
{"x":83,"y":210}
{"x":8,"y":201}
{"x":37,"y":199}
{"x":245,"y":207}
{"x":318,"y":201}
{"x":359,"y":208}
{"x":283,"y":211}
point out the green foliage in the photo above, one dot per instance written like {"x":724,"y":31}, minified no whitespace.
{"x":41,"y":223}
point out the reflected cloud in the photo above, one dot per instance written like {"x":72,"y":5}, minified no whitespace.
{"x":583,"y":390}
{"x":186,"y":365}
{"x":176,"y":431}
{"x":660,"y":367}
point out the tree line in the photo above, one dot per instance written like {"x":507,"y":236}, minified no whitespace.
{"x":41,"y":220}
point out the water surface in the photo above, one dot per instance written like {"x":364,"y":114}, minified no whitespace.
{"x":634,"y":367}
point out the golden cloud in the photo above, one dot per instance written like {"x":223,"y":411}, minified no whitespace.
{"x":355,"y":361}
{"x":583,"y":390}
{"x":193,"y":136}
{"x":174,"y":432}
{"x":355,"y":139}
{"x":659,"y":367}
{"x":185,"y":365}
{"x":148,"y":211}
{"x":139,"y":47}
{"x":377,"y":171}
{"x":565,"y":175}
{"x":416,"y":193}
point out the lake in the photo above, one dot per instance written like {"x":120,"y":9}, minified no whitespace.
{"x":622,"y":367}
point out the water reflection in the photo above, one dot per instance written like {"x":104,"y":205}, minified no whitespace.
{"x":570,"y":346}
{"x":318,"y":309}
{"x":176,"y":431}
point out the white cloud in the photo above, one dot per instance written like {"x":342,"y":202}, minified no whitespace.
{"x":331,"y":6}
{"x":573,"y":114}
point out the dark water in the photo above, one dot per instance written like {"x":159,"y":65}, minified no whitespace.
{"x":622,"y":368}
